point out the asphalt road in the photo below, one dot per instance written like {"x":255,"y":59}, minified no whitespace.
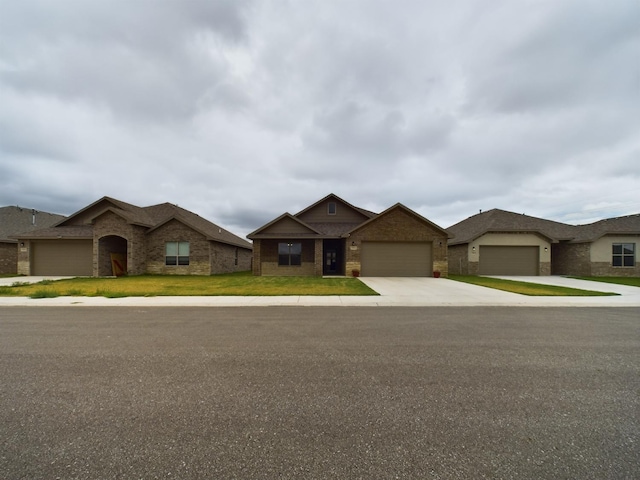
{"x":316,"y":392}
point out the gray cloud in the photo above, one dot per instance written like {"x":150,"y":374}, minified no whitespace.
{"x":241,"y":110}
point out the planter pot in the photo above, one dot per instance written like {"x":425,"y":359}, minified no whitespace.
{"x":355,"y":273}
{"x":436,"y":274}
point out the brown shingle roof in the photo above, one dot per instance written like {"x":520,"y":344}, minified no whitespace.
{"x":150,"y":217}
{"x":497,"y":220}
{"x":15,"y":220}
{"x":162,"y":213}
{"x":629,"y":224}
{"x":71,"y":231}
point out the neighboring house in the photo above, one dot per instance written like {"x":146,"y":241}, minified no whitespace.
{"x":111,"y":237}
{"x":497,"y":242}
{"x":605,"y":248}
{"x":16,"y":220}
{"x":333,"y":237}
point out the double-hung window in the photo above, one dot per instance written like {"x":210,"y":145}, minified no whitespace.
{"x":623,"y":255}
{"x":290,"y":253}
{"x":176,"y":253}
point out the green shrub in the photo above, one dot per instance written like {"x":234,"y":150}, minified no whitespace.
{"x":44,"y":293}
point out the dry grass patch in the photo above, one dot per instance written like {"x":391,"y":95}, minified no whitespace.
{"x":237,"y":284}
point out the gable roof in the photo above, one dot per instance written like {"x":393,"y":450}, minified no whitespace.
{"x":497,"y":220}
{"x":333,"y":196}
{"x":132,"y":213}
{"x":15,"y":220}
{"x":317,"y":229}
{"x":400,"y":206}
{"x":163,"y":213}
{"x":151,"y":217}
{"x":261,"y":233}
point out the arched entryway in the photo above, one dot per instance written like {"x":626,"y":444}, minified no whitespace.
{"x":112,"y":256}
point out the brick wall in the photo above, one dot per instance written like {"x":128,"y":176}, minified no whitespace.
{"x":257,"y":251}
{"x":174,"y":231}
{"x":266,"y":255}
{"x":570,"y":259}
{"x":8,"y":258}
{"x":110,"y":224}
{"x":459,"y":259}
{"x":399,"y":225}
{"x":223,"y":258}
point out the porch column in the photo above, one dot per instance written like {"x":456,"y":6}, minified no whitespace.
{"x":319,"y":258}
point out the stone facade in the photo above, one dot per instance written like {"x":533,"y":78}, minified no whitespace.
{"x":111,"y":225}
{"x":571,"y":259}
{"x":395,"y":225}
{"x":174,"y":231}
{"x":24,"y":259}
{"x":458,"y":259}
{"x":268,"y":259}
{"x":8,"y":258}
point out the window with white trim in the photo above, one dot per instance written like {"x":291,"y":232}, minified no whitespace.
{"x":623,"y":255}
{"x":289,"y":253}
{"x":176,"y":253}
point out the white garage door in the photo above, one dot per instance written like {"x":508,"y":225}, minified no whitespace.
{"x":396,"y":259}
{"x":509,"y":260}
{"x":62,"y":257}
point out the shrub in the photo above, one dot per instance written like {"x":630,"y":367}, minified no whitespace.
{"x":44,"y":293}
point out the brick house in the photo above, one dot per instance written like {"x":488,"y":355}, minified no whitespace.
{"x":13,"y":221}
{"x":608,"y":247}
{"x":113,"y":237}
{"x":333,"y":237}
{"x":497,"y":242}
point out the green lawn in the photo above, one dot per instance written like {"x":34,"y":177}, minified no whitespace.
{"x":631,"y":281}
{"x":235,"y":284}
{"x":526,"y":288}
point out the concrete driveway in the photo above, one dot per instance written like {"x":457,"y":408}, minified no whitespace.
{"x":8,"y":281}
{"x":442,"y":291}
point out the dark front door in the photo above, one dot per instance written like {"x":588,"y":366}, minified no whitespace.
{"x":330,"y":262}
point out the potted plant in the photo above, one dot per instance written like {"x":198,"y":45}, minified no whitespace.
{"x":436,"y":274}
{"x":355,"y":272}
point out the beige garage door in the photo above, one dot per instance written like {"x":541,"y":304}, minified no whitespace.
{"x":396,"y":259}
{"x":510,"y":260}
{"x":62,"y":257}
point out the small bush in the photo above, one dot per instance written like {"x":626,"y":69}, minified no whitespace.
{"x":44,"y":293}
{"x":45,"y":282}
{"x":19,"y":284}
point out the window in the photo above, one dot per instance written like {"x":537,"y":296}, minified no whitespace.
{"x":331,"y":208}
{"x":624,"y":255}
{"x":290,"y":253}
{"x":176,"y":253}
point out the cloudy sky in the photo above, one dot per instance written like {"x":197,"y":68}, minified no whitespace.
{"x":241,"y":110}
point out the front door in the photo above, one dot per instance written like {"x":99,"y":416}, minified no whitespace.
{"x":330,"y":262}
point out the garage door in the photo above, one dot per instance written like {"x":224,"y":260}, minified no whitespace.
{"x":62,"y":257}
{"x":510,"y":260}
{"x":396,"y":259}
